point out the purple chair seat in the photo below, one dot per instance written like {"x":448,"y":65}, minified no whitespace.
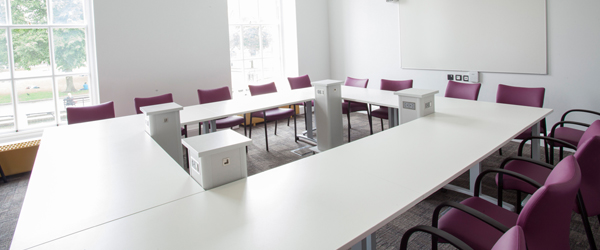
{"x":274,"y":114}
{"x":533,"y":171}
{"x":381,"y":113}
{"x":229,"y":122}
{"x":567,"y":134}
{"x":472,"y":231}
{"x":354,"y":106}
{"x":545,"y":219}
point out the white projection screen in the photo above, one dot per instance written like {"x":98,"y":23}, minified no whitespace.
{"x":506,"y":36}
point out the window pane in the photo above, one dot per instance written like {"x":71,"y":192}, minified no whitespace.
{"x":268,"y":11}
{"x":251,"y":41}
{"x":270,"y":40}
{"x":2,"y":12}
{"x":35,"y":102}
{"x":31,"y":52}
{"x":28,"y":11}
{"x":69,"y":50}
{"x":73,"y":91}
{"x":249,"y":11}
{"x":235,"y":49}
{"x":7,"y":122}
{"x":4,"y":66}
{"x":67,"y":11}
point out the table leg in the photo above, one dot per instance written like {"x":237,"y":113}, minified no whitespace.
{"x":393,"y":117}
{"x":308,"y":135}
{"x":205,"y":128}
{"x":367,"y":243}
{"x":213,"y":126}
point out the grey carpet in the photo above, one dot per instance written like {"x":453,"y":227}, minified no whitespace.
{"x":280,"y":153}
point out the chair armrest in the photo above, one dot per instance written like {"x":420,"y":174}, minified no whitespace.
{"x":503,"y":172}
{"x":456,"y":242}
{"x":562,"y":123}
{"x":469,"y":210}
{"x":545,"y":138}
{"x":578,"y":110}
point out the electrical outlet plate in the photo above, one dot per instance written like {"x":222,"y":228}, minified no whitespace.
{"x":466,"y":78}
{"x":458,"y":77}
{"x":450,"y":77}
{"x":409,"y":105}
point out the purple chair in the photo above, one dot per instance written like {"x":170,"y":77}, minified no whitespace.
{"x":568,"y":134}
{"x":90,"y":113}
{"x":154,"y":100}
{"x":533,"y":97}
{"x":513,"y":239}
{"x":301,"y":82}
{"x":273,"y":114}
{"x":589,"y":161}
{"x":217,"y":95}
{"x":348,"y":106}
{"x":545,"y":219}
{"x":467,"y":91}
{"x":390,"y":85}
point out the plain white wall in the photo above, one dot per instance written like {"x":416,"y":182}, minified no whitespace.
{"x":364,"y":43}
{"x":312,"y":21}
{"x":152,"y":47}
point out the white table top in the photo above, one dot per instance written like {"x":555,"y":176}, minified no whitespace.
{"x":328,"y":201}
{"x":372,"y":96}
{"x":215,"y":110}
{"x":92,"y":173}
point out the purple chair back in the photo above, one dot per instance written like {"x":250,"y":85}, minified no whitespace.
{"x":262,"y":89}
{"x":299,"y":82}
{"x":588,"y":157}
{"x":214,"y":95}
{"x":467,"y":91}
{"x":591,"y":131}
{"x":546,"y":218}
{"x":90,"y":113}
{"x":149,"y":101}
{"x":395,"y":85}
{"x":513,"y":239}
{"x":533,"y":97}
{"x":353,"y":82}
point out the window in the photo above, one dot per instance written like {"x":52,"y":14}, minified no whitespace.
{"x":44,"y":62}
{"x":254,"y":43}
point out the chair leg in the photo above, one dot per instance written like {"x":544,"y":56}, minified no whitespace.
{"x":275,"y":127}
{"x":185,"y":131}
{"x":381,"y":119}
{"x":551,"y":154}
{"x":245,"y":125}
{"x":370,"y":120}
{"x":294,"y":111}
{"x":586,"y":222}
{"x":500,"y":151}
{"x":562,"y":152}
{"x":3,"y":176}
{"x":348,"y":116}
{"x":199,"y":128}
{"x":250,"y":133}
{"x":266,"y":138}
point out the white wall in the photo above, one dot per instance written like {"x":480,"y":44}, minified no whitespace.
{"x":313,"y":38}
{"x":364,"y":43}
{"x":152,"y":47}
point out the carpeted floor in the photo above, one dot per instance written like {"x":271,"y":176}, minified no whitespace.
{"x":280,"y":153}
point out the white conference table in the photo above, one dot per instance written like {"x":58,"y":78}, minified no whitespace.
{"x":331,"y":200}
{"x":94,"y":173}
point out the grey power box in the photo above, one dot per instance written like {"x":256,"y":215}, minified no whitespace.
{"x":217,"y":158}
{"x":328,"y":114}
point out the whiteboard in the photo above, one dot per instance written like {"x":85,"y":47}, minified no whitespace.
{"x":474,"y":35}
